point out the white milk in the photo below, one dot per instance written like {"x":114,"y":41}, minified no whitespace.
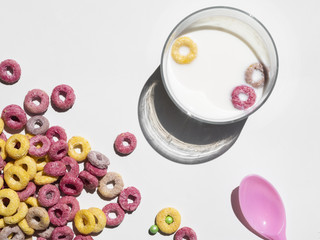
{"x":204,"y":86}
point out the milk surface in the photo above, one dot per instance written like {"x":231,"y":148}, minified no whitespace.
{"x":204,"y":86}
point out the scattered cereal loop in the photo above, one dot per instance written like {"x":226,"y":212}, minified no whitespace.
{"x":163,"y":225}
{"x":10,"y":71}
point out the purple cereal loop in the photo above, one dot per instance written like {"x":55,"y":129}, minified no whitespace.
{"x":57,"y":132}
{"x":98,"y":159}
{"x":82,"y":237}
{"x":36,"y":95}
{"x":14,"y":117}
{"x":27,"y":192}
{"x":59,"y":214}
{"x":41,"y":238}
{"x":55,"y":169}
{"x":89,"y":181}
{"x":94,"y":170}
{"x":73,"y":204}
{"x":62,"y":233}
{"x":46,"y":233}
{"x":14,"y":230}
{"x":122,"y":138}
{"x":43,"y":150}
{"x":113,"y":208}
{"x":71,"y":165}
{"x":37,"y":125}
{"x":185,"y":233}
{"x":129,"y":193}
{"x":71,"y":185}
{"x":67,"y":92}
{"x":48,"y":195}
{"x":58,"y":150}
{"x":249,"y":73}
{"x":3,"y":136}
{"x":11,"y":66}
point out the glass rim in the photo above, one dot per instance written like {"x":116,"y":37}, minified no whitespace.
{"x":236,"y":119}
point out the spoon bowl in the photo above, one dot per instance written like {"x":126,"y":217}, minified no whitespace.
{"x":262,"y":207}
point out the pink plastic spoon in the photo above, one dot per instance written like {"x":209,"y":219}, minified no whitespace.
{"x":262,"y":207}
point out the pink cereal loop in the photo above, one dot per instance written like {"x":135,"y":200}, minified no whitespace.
{"x":39,"y":96}
{"x":59,"y":214}
{"x":68,"y":94}
{"x":246,"y":90}
{"x":98,"y":172}
{"x":129,"y":193}
{"x":14,"y":117}
{"x":55,"y":169}
{"x":62,"y":233}
{"x":41,"y":151}
{"x":58,"y":132}
{"x":82,"y":237}
{"x":89,"y":181}
{"x":58,"y":150}
{"x":11,"y":66}
{"x":27,"y":192}
{"x":125,"y":143}
{"x":71,"y":185}
{"x":185,"y":233}
{"x":72,"y":166}
{"x":48,"y":195}
{"x":73,"y":204}
{"x":113,"y":208}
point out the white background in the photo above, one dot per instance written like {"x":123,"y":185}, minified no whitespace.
{"x":106,"y":50}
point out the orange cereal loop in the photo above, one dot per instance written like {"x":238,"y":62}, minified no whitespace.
{"x":163,"y":225}
{"x":184,"y":42}
{"x":3,"y":153}
{"x":78,"y":143}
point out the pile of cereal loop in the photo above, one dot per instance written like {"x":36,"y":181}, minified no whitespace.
{"x":41,"y":177}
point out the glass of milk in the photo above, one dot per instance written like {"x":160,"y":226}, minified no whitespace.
{"x":228,"y":42}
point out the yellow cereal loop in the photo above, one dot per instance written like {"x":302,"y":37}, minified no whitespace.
{"x":184,"y":42}
{"x":8,"y":165}
{"x":16,"y":178}
{"x":28,"y":164}
{"x":41,"y":162}
{"x":161,"y":220}
{"x":84,"y":221}
{"x":10,"y":208}
{"x":1,"y":182}
{"x":24,"y":226}
{"x":3,"y":153}
{"x":32,"y":201}
{"x":42,"y":179}
{"x":81,"y":144}
{"x":17,"y":146}
{"x":2,"y":223}
{"x":20,"y":214}
{"x":1,"y":125}
{"x":100,"y":219}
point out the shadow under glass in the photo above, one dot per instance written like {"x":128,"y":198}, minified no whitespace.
{"x":177,"y":136}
